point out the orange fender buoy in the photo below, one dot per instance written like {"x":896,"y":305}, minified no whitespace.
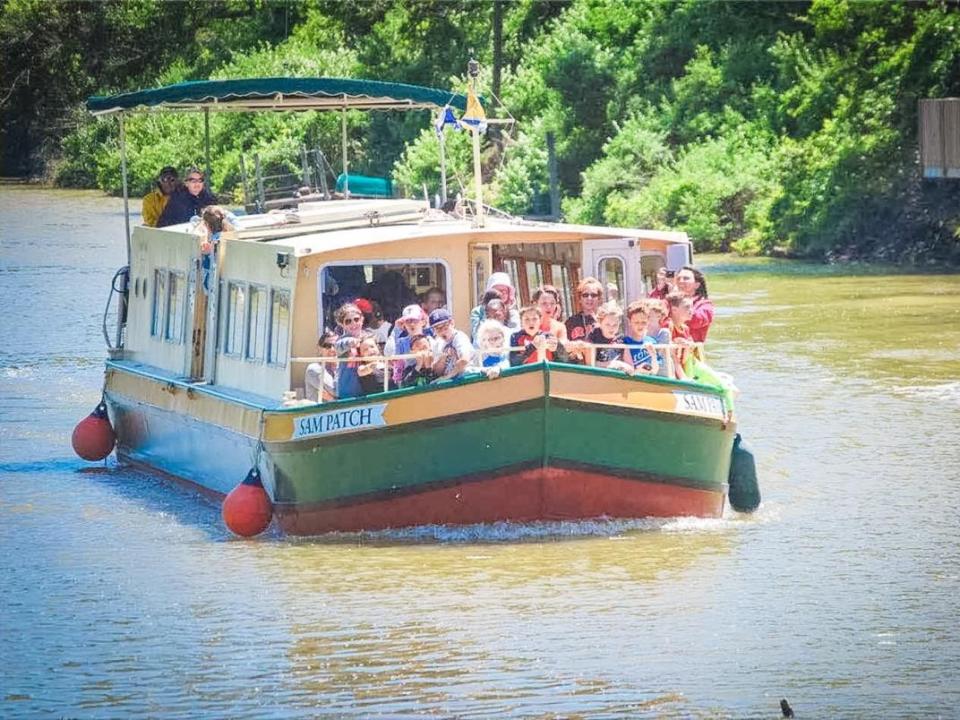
{"x":93,"y":437}
{"x":247,"y":509}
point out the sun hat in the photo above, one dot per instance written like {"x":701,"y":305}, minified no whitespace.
{"x":411,"y":312}
{"x":499,"y":278}
{"x":439,"y":317}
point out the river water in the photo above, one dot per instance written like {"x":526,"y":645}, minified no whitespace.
{"x":121,"y":596}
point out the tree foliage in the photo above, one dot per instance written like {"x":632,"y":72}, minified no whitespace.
{"x":759,"y":127}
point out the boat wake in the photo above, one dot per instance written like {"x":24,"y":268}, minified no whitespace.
{"x":944,"y":392}
{"x":518,"y":532}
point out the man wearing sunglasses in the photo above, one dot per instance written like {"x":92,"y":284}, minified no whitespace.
{"x":188,"y":200}
{"x":156,"y":200}
{"x":579,"y":326}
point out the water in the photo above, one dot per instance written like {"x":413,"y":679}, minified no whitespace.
{"x":122,"y":596}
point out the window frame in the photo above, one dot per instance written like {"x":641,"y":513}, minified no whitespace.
{"x":269,"y":360}
{"x":181,"y":279}
{"x":230,"y":320}
{"x":266,"y":291}
{"x":321,"y":271}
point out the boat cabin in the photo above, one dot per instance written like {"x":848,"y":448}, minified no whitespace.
{"x":278,"y":278}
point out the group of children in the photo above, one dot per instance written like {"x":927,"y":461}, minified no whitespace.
{"x":423,"y":348}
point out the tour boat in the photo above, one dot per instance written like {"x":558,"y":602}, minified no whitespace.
{"x":205,"y":385}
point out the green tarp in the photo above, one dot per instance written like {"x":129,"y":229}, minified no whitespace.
{"x":281,"y":94}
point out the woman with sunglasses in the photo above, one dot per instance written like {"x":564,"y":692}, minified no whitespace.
{"x":187,"y":201}
{"x":579,"y":326}
{"x":350,"y":320}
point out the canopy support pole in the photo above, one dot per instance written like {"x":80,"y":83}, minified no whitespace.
{"x":123,"y":175}
{"x":343,"y":152}
{"x":206,"y":143}
{"x":443,"y":168}
{"x":122,"y":305}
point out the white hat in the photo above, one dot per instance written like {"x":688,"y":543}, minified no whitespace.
{"x":411,"y":312}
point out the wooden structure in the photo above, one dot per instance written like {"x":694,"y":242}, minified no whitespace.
{"x":939,"y":129}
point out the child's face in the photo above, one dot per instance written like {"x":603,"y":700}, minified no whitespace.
{"x":421,"y":345}
{"x":656,"y":317}
{"x":638,"y":325}
{"x":445,"y":330}
{"x":496,"y":311}
{"x":531,"y":323}
{"x":369,"y":347}
{"x":414,"y":327}
{"x":548,"y":304}
{"x":681,"y":313}
{"x":492,"y":340}
{"x":609,"y":326}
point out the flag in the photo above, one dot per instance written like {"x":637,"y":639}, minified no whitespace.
{"x":444,"y":118}
{"x":474,"y":115}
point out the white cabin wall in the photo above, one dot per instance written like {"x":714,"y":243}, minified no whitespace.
{"x":251,"y":262}
{"x":152,"y":249}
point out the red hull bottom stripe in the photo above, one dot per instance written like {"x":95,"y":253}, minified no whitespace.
{"x":528,"y":495}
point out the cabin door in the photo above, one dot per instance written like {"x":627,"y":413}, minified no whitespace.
{"x":616,"y":265}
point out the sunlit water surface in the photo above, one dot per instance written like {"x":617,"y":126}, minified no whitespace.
{"x":122,"y":596}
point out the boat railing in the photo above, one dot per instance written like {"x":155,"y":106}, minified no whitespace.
{"x":581,"y":345}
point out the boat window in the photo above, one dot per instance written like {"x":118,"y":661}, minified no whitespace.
{"x":534,"y":278}
{"x":512,"y":268}
{"x":562,"y":281}
{"x":279,"y":327}
{"x":236,"y":308}
{"x":393,"y":285}
{"x":175,"y":308}
{"x":649,"y":264}
{"x":257,"y":319}
{"x":159,"y":301}
{"x":610,"y":272}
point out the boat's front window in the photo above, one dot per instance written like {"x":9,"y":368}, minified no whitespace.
{"x":175,"y":309}
{"x":279,"y":327}
{"x":391,"y":284}
{"x":236,"y":313}
{"x":257,"y":333}
{"x":610,"y":274}
{"x":649,"y":264}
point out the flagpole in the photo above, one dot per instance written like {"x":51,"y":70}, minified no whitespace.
{"x":443,"y":167}
{"x":473,"y":69}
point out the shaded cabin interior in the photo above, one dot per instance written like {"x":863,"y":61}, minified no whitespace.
{"x":278,"y":279}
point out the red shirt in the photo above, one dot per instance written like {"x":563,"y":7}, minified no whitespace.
{"x":699,"y":322}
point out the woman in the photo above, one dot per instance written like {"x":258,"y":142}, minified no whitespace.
{"x":663,"y":286}
{"x":579,"y":326}
{"x":500,"y":282}
{"x":187,"y":201}
{"x":547,"y":298}
{"x":693,"y":285}
{"x":350,"y":320}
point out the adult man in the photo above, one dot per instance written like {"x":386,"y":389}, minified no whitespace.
{"x":156,"y":200}
{"x":187,"y":201}
{"x":452,"y":348}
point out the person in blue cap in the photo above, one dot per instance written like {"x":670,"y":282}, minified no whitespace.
{"x":452,"y":350}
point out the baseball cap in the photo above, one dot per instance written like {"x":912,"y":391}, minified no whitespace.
{"x":168,"y":170}
{"x":440,"y":316}
{"x":411,"y":312}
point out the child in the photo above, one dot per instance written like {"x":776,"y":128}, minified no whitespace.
{"x":493,"y":352}
{"x":452,"y":348}
{"x":536,"y":345}
{"x":410,"y":323}
{"x":643,"y":358}
{"x":320,"y":378}
{"x":374,"y":322}
{"x":680,"y":307}
{"x":370,"y":372}
{"x":607,"y":332}
{"x":421,"y":372}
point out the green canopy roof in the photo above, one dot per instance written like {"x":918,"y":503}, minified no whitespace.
{"x":279,"y":94}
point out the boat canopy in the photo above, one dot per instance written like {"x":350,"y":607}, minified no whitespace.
{"x":278,"y":94}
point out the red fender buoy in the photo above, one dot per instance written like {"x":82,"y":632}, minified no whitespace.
{"x":247,"y":509}
{"x":93,"y":437}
